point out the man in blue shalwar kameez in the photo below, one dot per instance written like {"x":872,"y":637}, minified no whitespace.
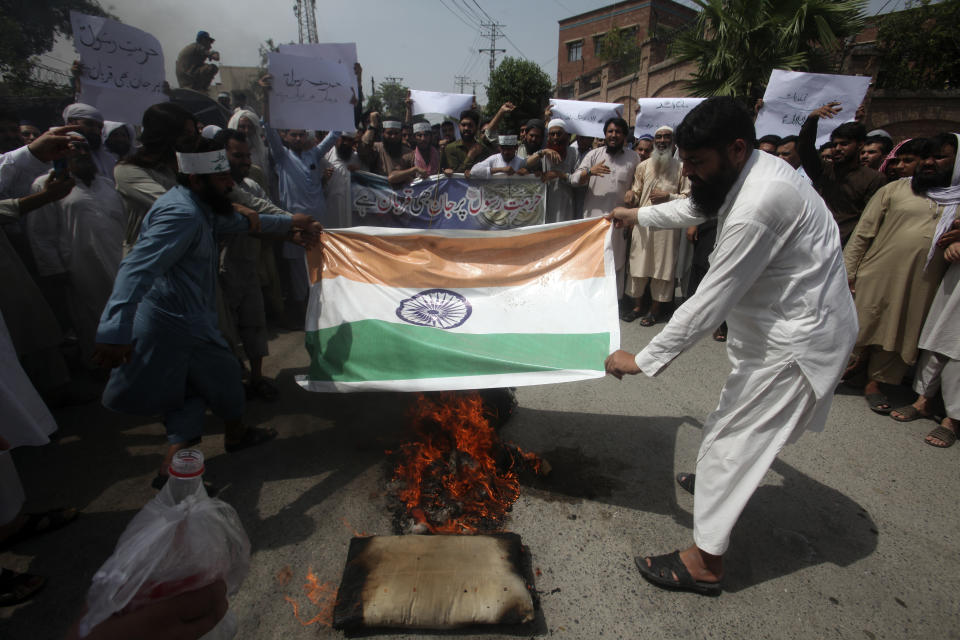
{"x":159,"y":328}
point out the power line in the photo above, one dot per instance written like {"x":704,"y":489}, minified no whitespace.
{"x":457,"y":15}
{"x":484,"y":12}
{"x":471,"y":11}
{"x":522,"y":54}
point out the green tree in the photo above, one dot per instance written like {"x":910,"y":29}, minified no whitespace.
{"x":919,"y":48}
{"x":28,"y":29}
{"x":389,"y":99}
{"x":737,"y":43}
{"x":619,"y":48}
{"x":524,"y":84}
{"x":373,"y":103}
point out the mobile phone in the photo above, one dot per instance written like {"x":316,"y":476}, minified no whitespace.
{"x":60,"y":168}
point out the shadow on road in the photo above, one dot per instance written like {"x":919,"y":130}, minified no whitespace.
{"x":792,"y":522}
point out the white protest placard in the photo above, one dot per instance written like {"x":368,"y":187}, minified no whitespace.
{"x":450,"y":104}
{"x":792,"y":95}
{"x":121,"y":67}
{"x":310,"y":93}
{"x":585,"y":118}
{"x":344,"y":53}
{"x":653,"y":113}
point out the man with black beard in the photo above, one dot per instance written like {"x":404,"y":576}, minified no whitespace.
{"x":532,"y":139}
{"x":423,"y":161}
{"x":461,"y":155}
{"x":118,"y":138}
{"x":159,"y":328}
{"x":77,"y":243}
{"x":608,"y":173}
{"x":385,"y":157}
{"x":845,"y":184}
{"x":341,"y":161}
{"x":90,"y":121}
{"x":777,"y":274}
{"x":892,"y":277}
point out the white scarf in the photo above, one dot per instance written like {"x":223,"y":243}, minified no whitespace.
{"x":949,"y":197}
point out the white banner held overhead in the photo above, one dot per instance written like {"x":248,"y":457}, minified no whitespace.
{"x":344,"y":53}
{"x":585,"y":118}
{"x":121,"y":67}
{"x":653,"y":113}
{"x":792,"y":95}
{"x":450,"y":104}
{"x":310,"y":93}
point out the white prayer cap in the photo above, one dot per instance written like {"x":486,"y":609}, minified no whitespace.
{"x":391,"y":124}
{"x":210,"y":131}
{"x":880,"y":132}
{"x":80,"y":110}
{"x":664,"y":128}
{"x":556,"y":122}
{"x":349,"y":133}
{"x":109,"y":126}
{"x":508,"y":141}
{"x":421,"y":126}
{"x":203,"y":163}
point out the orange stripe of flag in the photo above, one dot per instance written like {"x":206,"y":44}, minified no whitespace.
{"x":572,"y":252}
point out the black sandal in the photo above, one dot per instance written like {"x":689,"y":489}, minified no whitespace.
{"x":15,"y":587}
{"x":252,"y":437}
{"x":687,"y":481}
{"x":648,"y":320}
{"x":662,"y":569}
{"x":878,"y":403}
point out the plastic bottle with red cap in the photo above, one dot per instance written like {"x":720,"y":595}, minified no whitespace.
{"x":186,"y":479}
{"x":180,"y":541}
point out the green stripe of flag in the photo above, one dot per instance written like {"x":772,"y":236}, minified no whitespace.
{"x":379,"y":350}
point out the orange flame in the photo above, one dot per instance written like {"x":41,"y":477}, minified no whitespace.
{"x":323,"y":595}
{"x":454,"y":467}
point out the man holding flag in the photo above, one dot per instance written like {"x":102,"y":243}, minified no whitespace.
{"x":777,"y":275}
{"x":159,"y":328}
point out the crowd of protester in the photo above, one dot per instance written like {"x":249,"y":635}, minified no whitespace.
{"x":76,"y":200}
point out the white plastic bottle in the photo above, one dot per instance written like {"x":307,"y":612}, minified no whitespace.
{"x":186,"y":479}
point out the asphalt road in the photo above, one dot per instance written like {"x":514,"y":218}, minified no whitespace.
{"x":853,"y":533}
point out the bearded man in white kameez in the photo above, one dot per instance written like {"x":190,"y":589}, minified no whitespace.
{"x":777,"y":274}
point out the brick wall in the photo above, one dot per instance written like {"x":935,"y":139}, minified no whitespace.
{"x":643,"y":15}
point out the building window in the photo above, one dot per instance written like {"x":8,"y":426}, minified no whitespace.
{"x":575,"y":51}
{"x":598,"y":42}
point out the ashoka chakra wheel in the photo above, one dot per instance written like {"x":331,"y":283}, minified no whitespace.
{"x":440,"y":308}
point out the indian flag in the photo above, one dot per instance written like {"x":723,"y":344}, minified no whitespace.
{"x":428,"y":310}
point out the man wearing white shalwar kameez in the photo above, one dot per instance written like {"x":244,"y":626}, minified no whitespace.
{"x":344,"y":161}
{"x":556,"y":164}
{"x":90,"y":121}
{"x":608,"y":173}
{"x":80,"y":238}
{"x":505,"y":163}
{"x":777,"y":273}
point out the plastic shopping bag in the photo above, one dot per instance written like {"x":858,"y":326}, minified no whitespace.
{"x":167,"y":549}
